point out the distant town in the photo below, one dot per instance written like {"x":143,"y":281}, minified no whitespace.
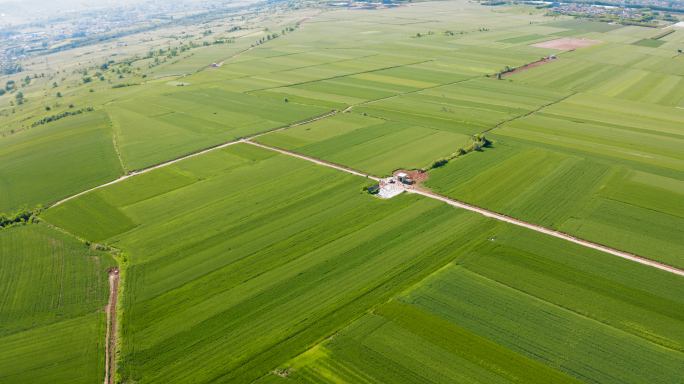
{"x":69,"y":28}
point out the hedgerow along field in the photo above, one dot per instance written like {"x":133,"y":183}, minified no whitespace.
{"x":52,"y":319}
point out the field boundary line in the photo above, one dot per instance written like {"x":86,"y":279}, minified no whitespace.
{"x":311,"y":120}
{"x":241,"y":140}
{"x":419,"y":90}
{"x":118,"y":153}
{"x":220,"y":63}
{"x":408,"y":189}
{"x":140,"y":172}
{"x":342,"y":76}
{"x":313,"y":160}
{"x":490,"y":214}
{"x":403,"y":94}
{"x":531,"y":112}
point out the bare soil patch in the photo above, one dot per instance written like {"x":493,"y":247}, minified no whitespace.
{"x":528,"y":66}
{"x":415,"y":176}
{"x":565,"y":44}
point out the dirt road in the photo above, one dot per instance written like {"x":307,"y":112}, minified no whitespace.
{"x":140,"y":172}
{"x":314,"y":160}
{"x":547,"y":231}
{"x":220,"y":63}
{"x":135,"y":173}
{"x":409,"y":189}
{"x":110,"y":343}
{"x":494,"y":215}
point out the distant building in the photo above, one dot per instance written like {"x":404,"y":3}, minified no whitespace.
{"x":214,"y":65}
{"x":403,"y":178}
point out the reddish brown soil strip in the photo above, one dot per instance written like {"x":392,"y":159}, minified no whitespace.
{"x":528,"y":66}
{"x":415,"y":176}
{"x":565,"y":44}
{"x":110,"y":343}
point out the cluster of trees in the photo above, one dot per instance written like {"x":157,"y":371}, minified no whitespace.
{"x":121,"y":85}
{"x":21,"y":216}
{"x":49,"y":119}
{"x":371,"y":189}
{"x":662,"y":34}
{"x":11,"y":68}
{"x":19,"y":97}
{"x":275,"y":35}
{"x":478,"y":142}
{"x":419,"y":35}
{"x":267,"y":38}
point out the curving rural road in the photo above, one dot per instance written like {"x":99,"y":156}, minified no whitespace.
{"x":409,"y":189}
{"x":459,"y":204}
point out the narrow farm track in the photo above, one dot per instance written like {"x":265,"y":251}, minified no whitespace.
{"x":110,"y":343}
{"x":235,"y":55}
{"x":491,"y":214}
{"x":409,"y":189}
{"x":140,"y":172}
{"x":547,"y":231}
{"x":314,"y":160}
{"x":135,"y":173}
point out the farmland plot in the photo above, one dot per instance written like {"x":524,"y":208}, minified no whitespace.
{"x":54,"y":289}
{"x":553,"y":336}
{"x":261,"y":261}
{"x":615,"y":70}
{"x":368,"y":144}
{"x":49,"y":162}
{"x":196,"y":120}
{"x":570,"y":167}
{"x":469,"y":107}
{"x":513,"y":310}
{"x":243,"y":261}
